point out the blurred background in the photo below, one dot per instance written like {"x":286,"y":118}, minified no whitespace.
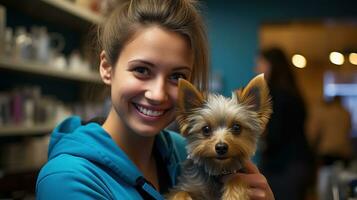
{"x":48,"y":70}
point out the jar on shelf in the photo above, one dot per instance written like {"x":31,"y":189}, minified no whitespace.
{"x":23,"y":44}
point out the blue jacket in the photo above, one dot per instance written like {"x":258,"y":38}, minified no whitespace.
{"x":85,"y":163}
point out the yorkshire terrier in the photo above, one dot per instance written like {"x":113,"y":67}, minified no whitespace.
{"x":221,"y":134}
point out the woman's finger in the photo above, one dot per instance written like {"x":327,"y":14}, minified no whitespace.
{"x":257,"y":194}
{"x":254,"y":180}
{"x":250,"y":167}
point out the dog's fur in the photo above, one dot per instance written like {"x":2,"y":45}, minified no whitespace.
{"x":221,"y":134}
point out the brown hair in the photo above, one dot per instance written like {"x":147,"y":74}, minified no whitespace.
{"x":180,"y":16}
{"x":281,"y":74}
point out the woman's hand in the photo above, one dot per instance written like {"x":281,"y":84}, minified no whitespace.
{"x":259,"y":188}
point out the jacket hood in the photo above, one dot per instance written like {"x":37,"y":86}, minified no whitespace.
{"x":93,"y":143}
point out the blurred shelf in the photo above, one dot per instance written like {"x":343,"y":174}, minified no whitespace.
{"x":18,"y":183}
{"x":20,"y":168}
{"x":62,"y":12}
{"x":20,"y":130}
{"x":38,"y":68}
{"x":76,"y":10}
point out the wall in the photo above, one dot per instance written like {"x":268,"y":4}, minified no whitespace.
{"x":233,"y":29}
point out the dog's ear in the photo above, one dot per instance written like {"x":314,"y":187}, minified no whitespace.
{"x":188,"y":96}
{"x":256,"y":96}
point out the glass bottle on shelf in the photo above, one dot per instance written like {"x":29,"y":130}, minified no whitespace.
{"x":8,"y":48}
{"x":23,"y":44}
{"x":2,"y":27}
{"x":41,"y":41}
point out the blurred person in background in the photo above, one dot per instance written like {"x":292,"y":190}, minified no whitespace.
{"x":286,"y":159}
{"x":329,"y":130}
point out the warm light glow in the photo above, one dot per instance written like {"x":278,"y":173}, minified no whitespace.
{"x":353,"y":58}
{"x":299,"y":61}
{"x":337,"y":58}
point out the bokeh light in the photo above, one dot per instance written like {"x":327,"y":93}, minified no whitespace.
{"x":299,"y":61}
{"x":353,"y":58}
{"x":337,"y":58}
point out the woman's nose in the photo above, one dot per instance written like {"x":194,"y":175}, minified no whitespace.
{"x":156,"y":91}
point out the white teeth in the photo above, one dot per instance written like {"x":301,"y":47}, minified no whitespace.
{"x":151,"y":113}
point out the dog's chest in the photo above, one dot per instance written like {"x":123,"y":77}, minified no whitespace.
{"x":199,"y":184}
{"x":212,"y":191}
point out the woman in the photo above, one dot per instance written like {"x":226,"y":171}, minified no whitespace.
{"x":286,"y":157}
{"x":147,"y":45}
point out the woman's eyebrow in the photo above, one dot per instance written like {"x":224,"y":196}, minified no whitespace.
{"x":153,"y":65}
{"x":142,"y":61}
{"x":182,"y":68}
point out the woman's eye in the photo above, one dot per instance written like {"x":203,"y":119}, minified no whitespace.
{"x":176,"y":76}
{"x":236,"y":128}
{"x":141,"y":72}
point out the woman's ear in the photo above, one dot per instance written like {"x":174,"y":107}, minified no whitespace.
{"x":105,"y":69}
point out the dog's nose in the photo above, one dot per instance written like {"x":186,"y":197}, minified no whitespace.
{"x":221,"y":148}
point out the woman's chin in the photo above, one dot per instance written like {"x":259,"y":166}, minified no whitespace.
{"x":147,"y":130}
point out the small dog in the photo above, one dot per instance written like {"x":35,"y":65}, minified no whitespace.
{"x":221,"y":134}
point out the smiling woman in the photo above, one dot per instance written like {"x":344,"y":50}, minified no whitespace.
{"x":146,"y":47}
{"x":144,"y":82}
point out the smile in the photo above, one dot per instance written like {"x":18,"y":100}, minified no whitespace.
{"x":149,"y":112}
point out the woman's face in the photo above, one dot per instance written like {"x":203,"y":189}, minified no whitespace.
{"x":262,"y":66}
{"x":144,"y":82}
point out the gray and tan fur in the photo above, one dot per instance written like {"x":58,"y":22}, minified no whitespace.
{"x":221,"y":134}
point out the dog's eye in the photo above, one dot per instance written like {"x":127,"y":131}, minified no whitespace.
{"x":236,"y":128}
{"x":206,"y":130}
